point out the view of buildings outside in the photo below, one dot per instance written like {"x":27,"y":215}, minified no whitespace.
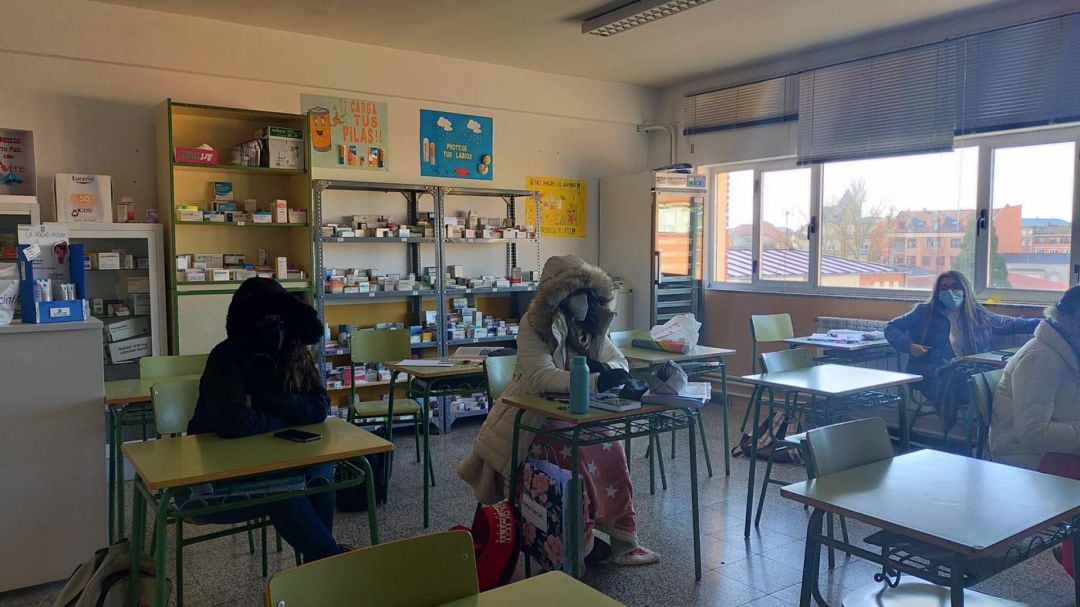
{"x":899,"y":222}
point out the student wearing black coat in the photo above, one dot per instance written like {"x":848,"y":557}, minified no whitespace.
{"x":262,"y":378}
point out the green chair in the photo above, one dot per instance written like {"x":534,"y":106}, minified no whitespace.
{"x":499,"y":370}
{"x":382,"y":346}
{"x":383,"y":575}
{"x":765,"y":328}
{"x":983,"y":386}
{"x":173,"y":406}
{"x":847,"y":445}
{"x":172,"y":366}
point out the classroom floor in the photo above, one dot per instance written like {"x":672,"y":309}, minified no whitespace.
{"x":762,"y":572}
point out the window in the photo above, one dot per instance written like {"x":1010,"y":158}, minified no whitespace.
{"x":733,"y":226}
{"x":893,"y":200}
{"x":954,"y":243}
{"x":1032,"y":205}
{"x":785,"y":221}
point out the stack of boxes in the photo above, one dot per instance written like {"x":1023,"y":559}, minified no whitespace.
{"x":222,"y":267}
{"x":225,"y":209}
{"x":464,"y":323}
{"x":457,"y":279}
{"x":128,"y":340}
{"x":339,"y":377}
{"x":379,"y":226}
{"x":137,"y":302}
{"x":358,"y":281}
{"x":471,"y":226}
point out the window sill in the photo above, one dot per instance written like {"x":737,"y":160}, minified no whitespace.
{"x":1029,"y":301}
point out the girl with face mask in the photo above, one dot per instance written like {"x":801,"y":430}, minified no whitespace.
{"x":951,"y":323}
{"x":263,"y":378}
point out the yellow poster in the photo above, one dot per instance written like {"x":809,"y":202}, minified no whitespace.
{"x":562,"y":206}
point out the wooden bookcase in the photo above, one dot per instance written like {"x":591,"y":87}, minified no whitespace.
{"x":197,"y":309}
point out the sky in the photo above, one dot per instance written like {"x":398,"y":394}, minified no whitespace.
{"x":1039,"y":177}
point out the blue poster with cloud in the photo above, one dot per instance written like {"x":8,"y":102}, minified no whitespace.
{"x":456,"y":145}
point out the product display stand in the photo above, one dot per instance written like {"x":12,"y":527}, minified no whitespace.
{"x":420,"y":251}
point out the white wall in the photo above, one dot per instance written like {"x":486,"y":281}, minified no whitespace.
{"x":85,"y":77}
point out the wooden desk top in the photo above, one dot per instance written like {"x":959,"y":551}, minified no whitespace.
{"x":992,"y":357}
{"x":552,"y":588}
{"x":847,"y":347}
{"x":189,"y":460}
{"x":426,"y":372}
{"x":561,"y":411}
{"x":832,"y":380}
{"x":653,"y":357}
{"x":128,"y":391}
{"x":964,"y":505}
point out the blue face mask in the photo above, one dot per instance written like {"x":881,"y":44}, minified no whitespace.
{"x":951,"y":299}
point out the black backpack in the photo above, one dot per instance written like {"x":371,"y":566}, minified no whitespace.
{"x":775,"y":427}
{"x":354,"y":499}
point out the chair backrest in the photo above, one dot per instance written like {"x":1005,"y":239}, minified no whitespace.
{"x":983,"y":386}
{"x":379,"y":346}
{"x":848,"y":445}
{"x":625,"y":339}
{"x":383,"y":575}
{"x":766,"y":328}
{"x":171,"y":366}
{"x":499,"y":371}
{"x":786,"y":360}
{"x":174,"y":405}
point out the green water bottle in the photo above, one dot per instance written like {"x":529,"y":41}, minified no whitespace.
{"x":579,"y":386}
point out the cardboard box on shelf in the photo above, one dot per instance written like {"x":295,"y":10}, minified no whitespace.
{"x":280,"y":208}
{"x":126,"y":329}
{"x":138,"y":284}
{"x":220,"y":275}
{"x":262,"y":217}
{"x":297,"y":215}
{"x":223,"y":190}
{"x":83,"y":198}
{"x":108,"y":261}
{"x":282,"y":148}
{"x":130,"y":349}
{"x":140,"y":304}
{"x":210,"y":261}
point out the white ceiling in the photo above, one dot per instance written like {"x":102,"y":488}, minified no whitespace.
{"x":546,"y":35}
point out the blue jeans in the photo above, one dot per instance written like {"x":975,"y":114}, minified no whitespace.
{"x":306,"y":522}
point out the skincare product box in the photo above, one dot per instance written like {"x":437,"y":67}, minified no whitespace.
{"x":108,"y":261}
{"x":83,"y":198}
{"x":125,"y":210}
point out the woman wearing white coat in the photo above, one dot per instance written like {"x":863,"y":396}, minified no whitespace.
{"x":1037,"y":403}
{"x":569,"y":317}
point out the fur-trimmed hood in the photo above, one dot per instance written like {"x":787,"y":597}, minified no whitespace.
{"x":562,"y":277}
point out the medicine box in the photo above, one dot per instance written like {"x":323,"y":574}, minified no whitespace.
{"x":282,"y":268}
{"x":108,"y":261}
{"x":219,"y":275}
{"x":138,"y":284}
{"x":223,"y":190}
{"x":262,"y":217}
{"x":233,"y":259}
{"x":140,"y":304}
{"x":282,"y":148}
{"x":126,"y":329}
{"x":297,"y":215}
{"x":210,"y":261}
{"x":280,"y":208}
{"x":196,"y":216}
{"x":130,"y":349}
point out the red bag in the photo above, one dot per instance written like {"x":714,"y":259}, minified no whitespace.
{"x":497,"y":544}
{"x":1062,"y":464}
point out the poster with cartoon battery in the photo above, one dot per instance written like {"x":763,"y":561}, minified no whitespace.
{"x":347,"y":133}
{"x":17,"y":163}
{"x":456,"y":145}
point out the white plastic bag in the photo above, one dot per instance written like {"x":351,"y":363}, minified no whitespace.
{"x":9,"y":296}
{"x":682,"y":329}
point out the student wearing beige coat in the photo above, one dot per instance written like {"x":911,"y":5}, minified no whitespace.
{"x":1037,"y":403}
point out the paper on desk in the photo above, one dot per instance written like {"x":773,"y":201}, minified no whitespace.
{"x":426,"y":362}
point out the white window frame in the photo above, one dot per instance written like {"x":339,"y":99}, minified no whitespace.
{"x":986,"y":144}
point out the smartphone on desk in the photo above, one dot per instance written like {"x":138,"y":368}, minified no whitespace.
{"x":298,"y":436}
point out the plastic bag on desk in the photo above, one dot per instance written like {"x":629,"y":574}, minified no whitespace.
{"x":682,"y":329}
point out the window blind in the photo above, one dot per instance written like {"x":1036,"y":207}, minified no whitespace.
{"x":741,"y":106}
{"x":900,"y":103}
{"x":1021,"y":76}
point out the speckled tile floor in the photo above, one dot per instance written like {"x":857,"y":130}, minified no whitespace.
{"x":762,"y":572}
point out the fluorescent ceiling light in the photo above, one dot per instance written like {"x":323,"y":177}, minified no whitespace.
{"x":634,"y":14}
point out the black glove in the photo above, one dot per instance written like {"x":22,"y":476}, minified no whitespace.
{"x":596,"y":366}
{"x":610,"y":378}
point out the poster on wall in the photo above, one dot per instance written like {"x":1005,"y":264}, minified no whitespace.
{"x":562,"y":206}
{"x":17,"y":163}
{"x":456,"y":145}
{"x":347,"y":133}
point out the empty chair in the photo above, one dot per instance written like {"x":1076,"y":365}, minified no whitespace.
{"x":847,"y":445}
{"x":172,"y":366}
{"x":383,"y":575}
{"x":498,"y":370}
{"x":383,"y":346}
{"x":768,"y":328}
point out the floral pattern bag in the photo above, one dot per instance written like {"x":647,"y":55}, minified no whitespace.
{"x":544,"y":503}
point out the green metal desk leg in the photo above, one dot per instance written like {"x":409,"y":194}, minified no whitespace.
{"x":427,"y":454}
{"x":727,"y":405}
{"x":161,"y":549}
{"x":905,"y":431}
{"x":694,"y":500}
{"x":700,"y":420}
{"x":755,"y":404}
{"x":369,"y":489}
{"x":652,"y":460}
{"x":118,"y":471}
{"x":179,"y":548}
{"x":111,"y":469}
{"x":811,"y":558}
{"x":576,"y":501}
{"x":138,"y":528}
